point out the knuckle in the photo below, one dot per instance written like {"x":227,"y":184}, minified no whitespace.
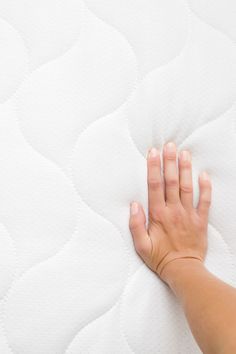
{"x":155,"y":213}
{"x":185,"y":164}
{"x":170,"y":156}
{"x":154,"y":162}
{"x":176,"y":215}
{"x":134,"y":224}
{"x":154,"y":184}
{"x":186,"y":188}
{"x":141,"y":248}
{"x":199,"y":223}
{"x":172,"y":182}
{"x":206,"y":202}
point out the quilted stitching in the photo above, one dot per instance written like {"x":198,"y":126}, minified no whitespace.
{"x":86,"y":88}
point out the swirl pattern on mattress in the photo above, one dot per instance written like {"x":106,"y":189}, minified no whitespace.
{"x":86,"y":87}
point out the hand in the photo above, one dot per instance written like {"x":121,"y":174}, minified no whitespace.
{"x":176,"y":230}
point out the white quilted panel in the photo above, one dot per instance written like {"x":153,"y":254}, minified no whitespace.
{"x":86,"y":87}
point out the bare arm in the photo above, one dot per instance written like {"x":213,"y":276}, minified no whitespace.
{"x":209,"y":305}
{"x":174,"y":245}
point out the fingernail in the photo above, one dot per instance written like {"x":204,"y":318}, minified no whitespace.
{"x":205,"y":176}
{"x":185,"y":155}
{"x":134,"y":208}
{"x":170,"y":147}
{"x":153,"y":152}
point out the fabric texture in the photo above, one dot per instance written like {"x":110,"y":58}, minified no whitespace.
{"x":86,"y":87}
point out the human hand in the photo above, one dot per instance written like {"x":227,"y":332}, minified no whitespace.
{"x":176,"y":230}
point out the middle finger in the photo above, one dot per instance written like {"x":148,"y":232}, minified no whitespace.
{"x":171,"y":174}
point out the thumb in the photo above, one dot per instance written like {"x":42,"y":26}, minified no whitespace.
{"x":138,"y":230}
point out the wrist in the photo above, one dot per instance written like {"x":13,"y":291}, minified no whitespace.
{"x":181,"y":267}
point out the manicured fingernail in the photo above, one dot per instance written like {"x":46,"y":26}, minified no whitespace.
{"x":185,"y":155}
{"x":134,"y":208}
{"x":170,"y":147}
{"x":153,"y":152}
{"x":205,"y":176}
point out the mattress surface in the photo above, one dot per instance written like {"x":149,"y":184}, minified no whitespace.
{"x":86,"y":87}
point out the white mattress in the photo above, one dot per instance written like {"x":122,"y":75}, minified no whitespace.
{"x":86,"y":87}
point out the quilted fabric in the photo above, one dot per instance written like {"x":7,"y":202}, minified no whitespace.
{"x":86,"y":87}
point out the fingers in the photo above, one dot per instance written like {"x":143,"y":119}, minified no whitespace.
{"x":205,"y":195}
{"x":155,"y":184}
{"x":185,"y":179}
{"x":138,"y":230}
{"x":171,"y":174}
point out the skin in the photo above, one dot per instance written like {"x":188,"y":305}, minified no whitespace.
{"x":174,"y":246}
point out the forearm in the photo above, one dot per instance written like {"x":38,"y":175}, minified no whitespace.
{"x":209,"y":305}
